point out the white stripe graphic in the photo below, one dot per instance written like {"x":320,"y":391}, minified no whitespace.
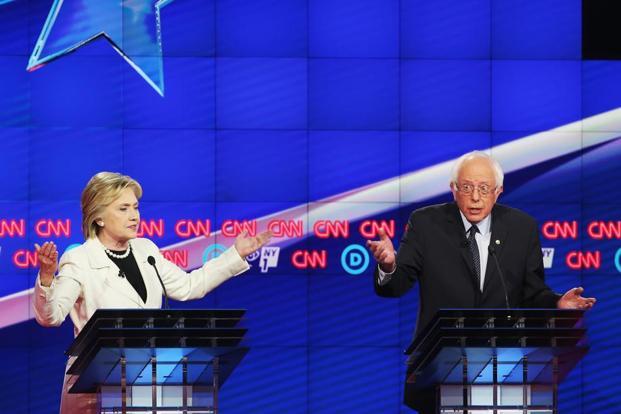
{"x":370,"y":200}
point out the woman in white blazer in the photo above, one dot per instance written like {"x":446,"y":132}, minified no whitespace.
{"x":110,"y":270}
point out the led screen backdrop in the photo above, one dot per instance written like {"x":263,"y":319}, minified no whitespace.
{"x":323,"y":121}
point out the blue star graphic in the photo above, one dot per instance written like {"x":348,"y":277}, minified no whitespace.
{"x":131,"y":26}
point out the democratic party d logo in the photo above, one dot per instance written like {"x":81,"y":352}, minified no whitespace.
{"x":355,"y":259}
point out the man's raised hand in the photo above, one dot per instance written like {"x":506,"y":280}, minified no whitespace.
{"x":383,"y":251}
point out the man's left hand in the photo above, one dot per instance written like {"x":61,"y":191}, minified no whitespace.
{"x":572,"y":299}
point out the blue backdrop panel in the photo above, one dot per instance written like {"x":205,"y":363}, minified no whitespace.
{"x":601,"y":86}
{"x":277,"y":307}
{"x":265,"y":28}
{"x":14,"y":36}
{"x":182,"y":40}
{"x":347,"y":313}
{"x":44,"y":360}
{"x":350,"y":28}
{"x":603,"y":320}
{"x":535,"y":95}
{"x":601,"y":368}
{"x":270,"y":378}
{"x":554,"y":181}
{"x":420,"y":149}
{"x":14,"y":393}
{"x":521,"y":29}
{"x":571,"y":392}
{"x":14,"y":164}
{"x":15,"y":281}
{"x":342,"y":160}
{"x":599,"y":167}
{"x":272,"y":177}
{"x":445,"y":95}
{"x":190,"y":84}
{"x":15,"y":102}
{"x":333,"y":384}
{"x":80,"y":91}
{"x":188,"y":170}
{"x":259,"y":93}
{"x":450,"y":29}
{"x":353,"y":94}
{"x":62,"y":160}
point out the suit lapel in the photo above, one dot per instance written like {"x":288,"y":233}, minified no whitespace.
{"x":151,"y":282}
{"x":98,"y":260}
{"x":457,"y":233}
{"x":497,"y":241}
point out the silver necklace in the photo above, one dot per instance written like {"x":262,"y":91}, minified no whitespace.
{"x":119,"y":256}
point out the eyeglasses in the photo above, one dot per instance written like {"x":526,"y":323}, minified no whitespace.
{"x":467,"y":189}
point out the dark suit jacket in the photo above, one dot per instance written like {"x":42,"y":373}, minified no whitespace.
{"x":434,"y":252}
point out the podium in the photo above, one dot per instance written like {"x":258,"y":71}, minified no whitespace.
{"x":496,"y":361}
{"x":156,"y":361}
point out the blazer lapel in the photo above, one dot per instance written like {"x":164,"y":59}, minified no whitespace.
{"x":152,"y":284}
{"x":457,"y":234}
{"x":99,"y":260}
{"x":497,"y":242}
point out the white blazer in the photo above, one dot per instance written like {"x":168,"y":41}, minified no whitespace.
{"x":88,"y":280}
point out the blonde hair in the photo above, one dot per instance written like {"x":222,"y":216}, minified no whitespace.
{"x":100,"y":191}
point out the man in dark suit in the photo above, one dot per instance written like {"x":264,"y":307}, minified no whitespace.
{"x":446,"y":249}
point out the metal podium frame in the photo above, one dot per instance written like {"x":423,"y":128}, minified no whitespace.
{"x":496,"y":360}
{"x":157,"y":361}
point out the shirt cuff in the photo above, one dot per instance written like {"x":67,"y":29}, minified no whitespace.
{"x":384,"y":277}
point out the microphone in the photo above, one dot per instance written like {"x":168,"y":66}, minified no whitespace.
{"x":151,"y":261}
{"x":492,"y":252}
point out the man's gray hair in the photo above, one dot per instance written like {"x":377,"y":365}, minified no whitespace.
{"x":499,"y":176}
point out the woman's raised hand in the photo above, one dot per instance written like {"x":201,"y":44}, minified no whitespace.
{"x":48,"y":262}
{"x":246,"y":245}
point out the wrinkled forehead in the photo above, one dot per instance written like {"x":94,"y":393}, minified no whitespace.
{"x":478,"y":170}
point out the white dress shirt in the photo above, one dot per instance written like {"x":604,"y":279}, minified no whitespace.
{"x":483,"y":238}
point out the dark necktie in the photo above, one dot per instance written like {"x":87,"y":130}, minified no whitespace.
{"x":474,"y":249}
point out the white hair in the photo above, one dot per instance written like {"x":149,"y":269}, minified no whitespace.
{"x":499,"y":176}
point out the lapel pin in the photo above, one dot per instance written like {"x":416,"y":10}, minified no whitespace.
{"x":497,"y":242}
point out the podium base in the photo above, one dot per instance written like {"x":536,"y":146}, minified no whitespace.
{"x":169,"y":399}
{"x":496,"y":399}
